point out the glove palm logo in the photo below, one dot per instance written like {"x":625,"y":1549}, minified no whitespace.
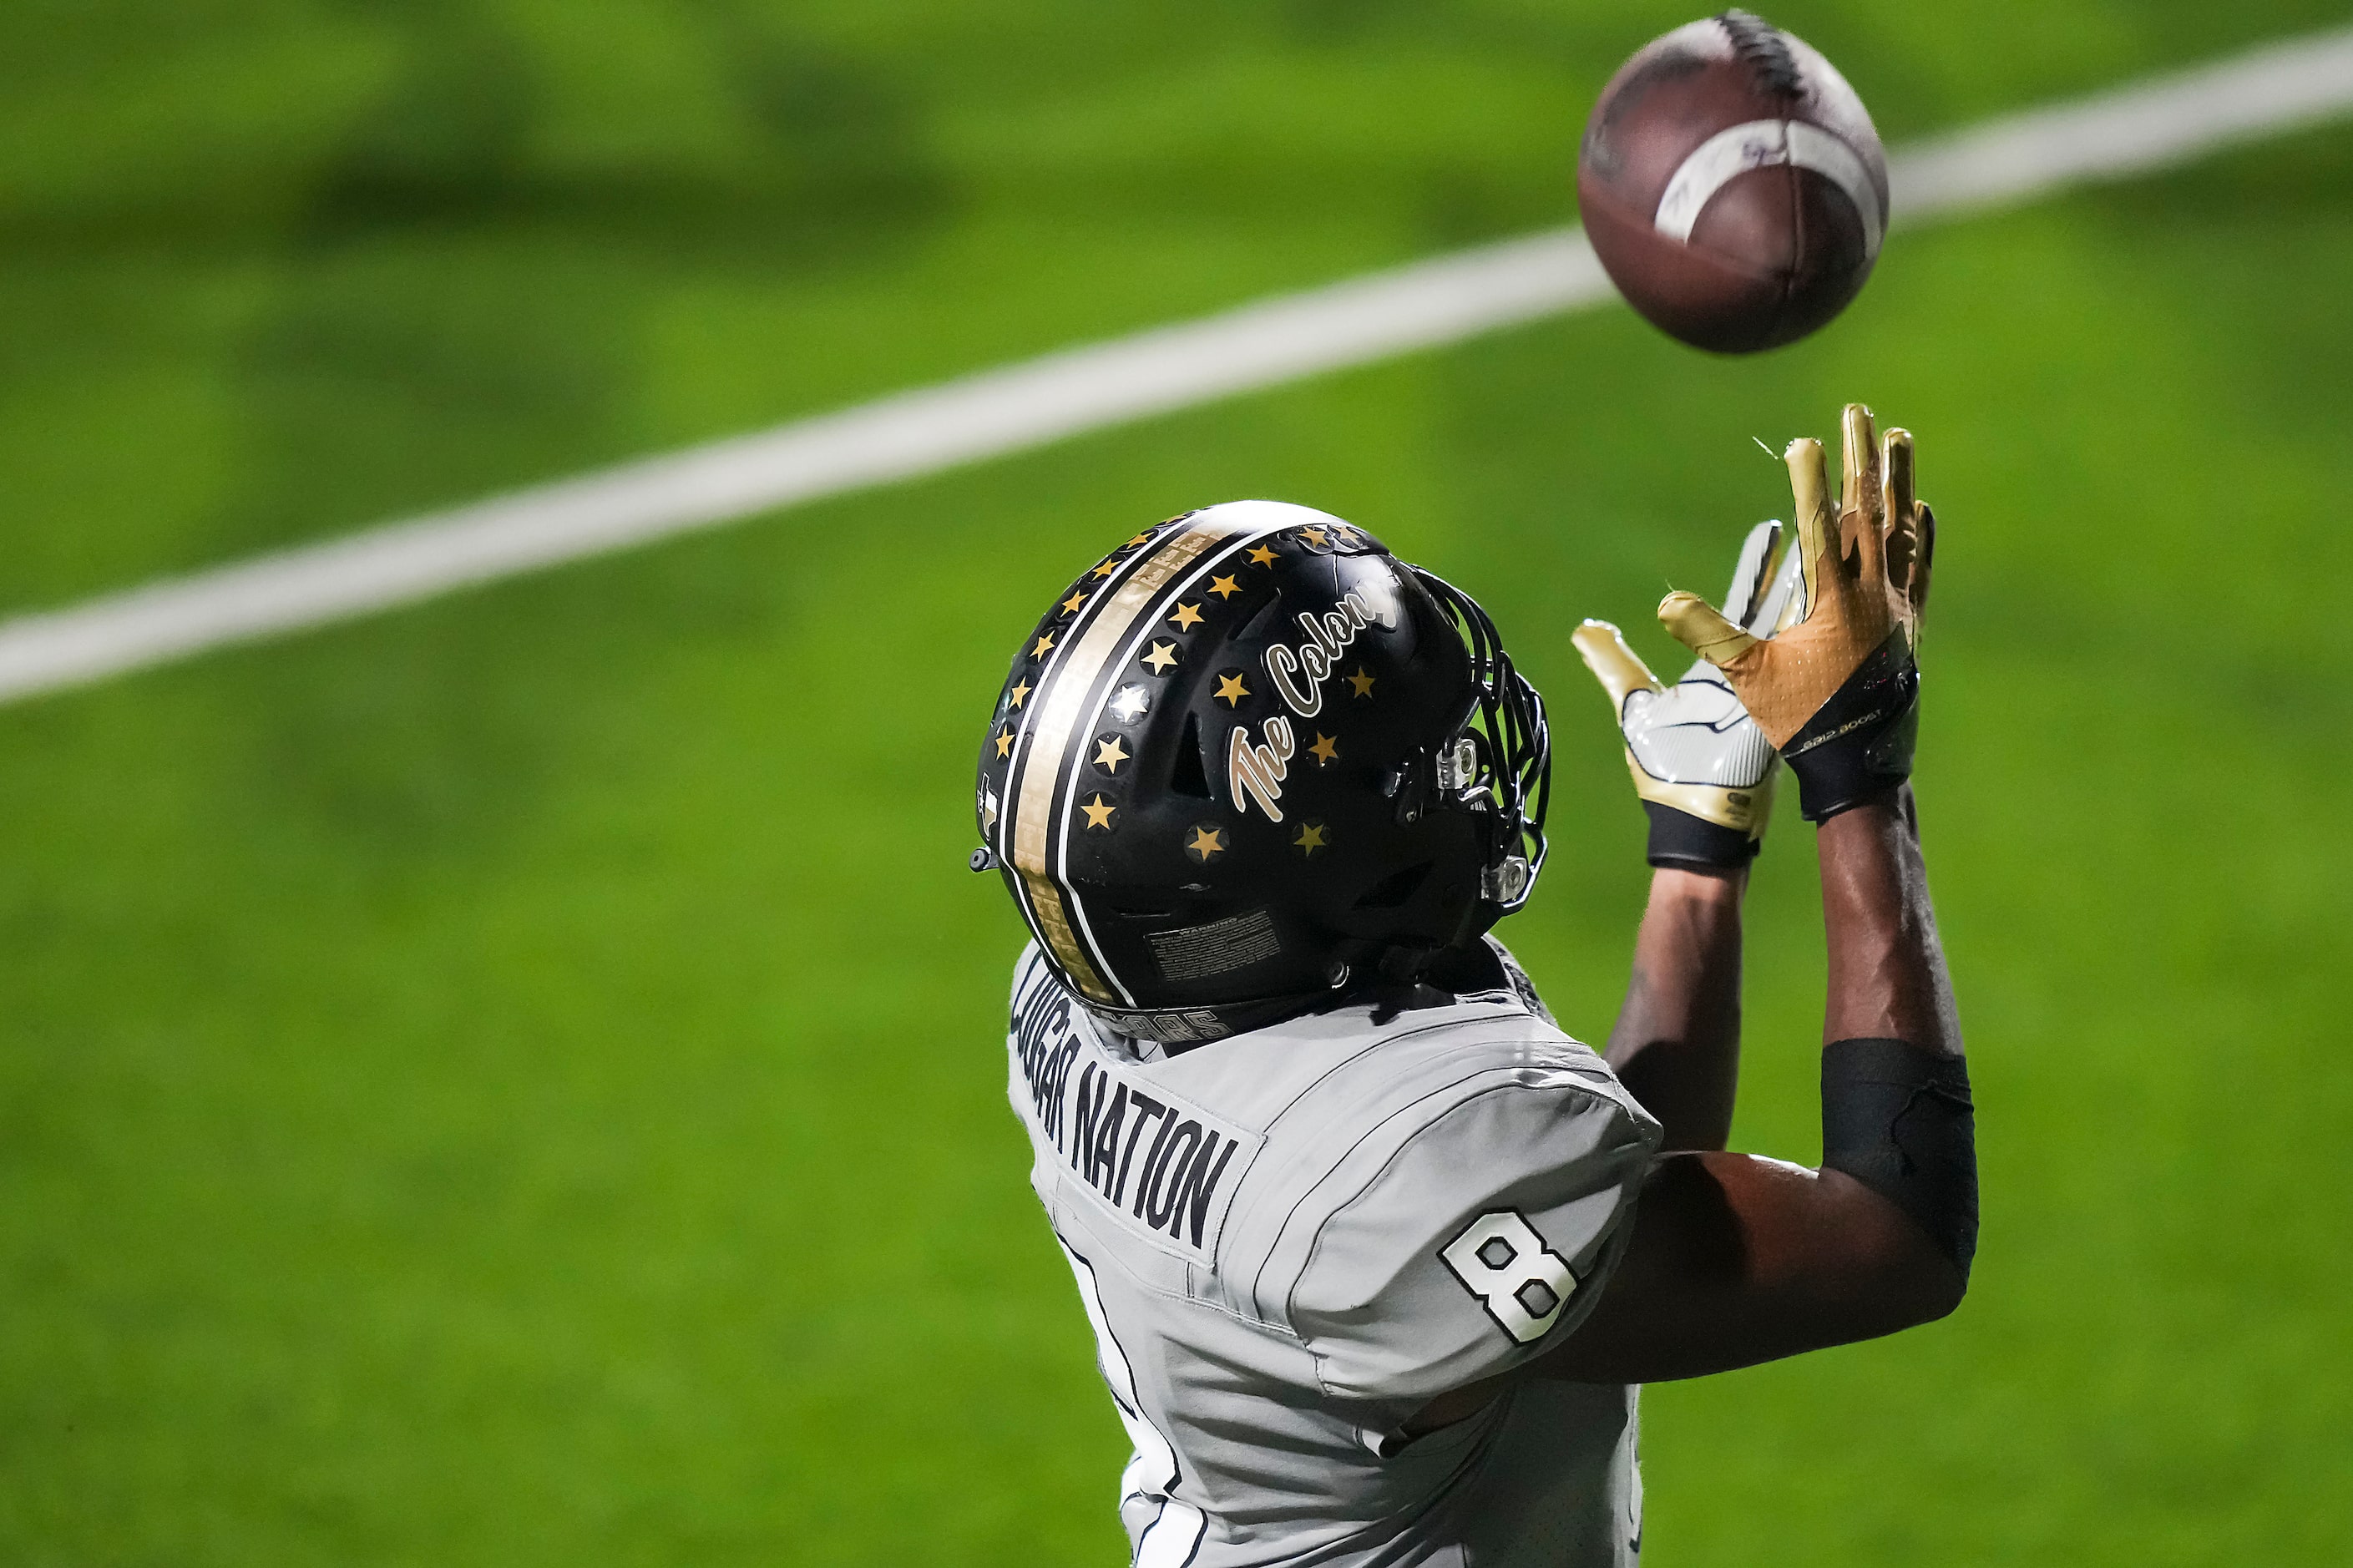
{"x":1836,"y":693}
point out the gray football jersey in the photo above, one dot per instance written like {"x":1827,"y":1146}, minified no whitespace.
{"x":1290,"y":1241}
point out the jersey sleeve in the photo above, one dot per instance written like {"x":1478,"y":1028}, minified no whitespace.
{"x":1482,"y":1243}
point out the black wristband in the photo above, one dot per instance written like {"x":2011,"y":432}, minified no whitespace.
{"x":1694,"y":843}
{"x":1858,"y":746}
{"x":1899,"y":1119}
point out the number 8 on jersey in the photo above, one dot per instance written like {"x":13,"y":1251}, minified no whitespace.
{"x":1524,"y":1284}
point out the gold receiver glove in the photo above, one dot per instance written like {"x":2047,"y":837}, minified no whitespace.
{"x":1838,"y":693}
{"x":1704,"y":770}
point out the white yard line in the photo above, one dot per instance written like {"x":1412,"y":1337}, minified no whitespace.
{"x":2110,"y":135}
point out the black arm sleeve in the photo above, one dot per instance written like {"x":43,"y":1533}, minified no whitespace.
{"x":1899,"y":1119}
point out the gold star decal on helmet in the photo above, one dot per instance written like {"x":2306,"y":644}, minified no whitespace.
{"x":1313,"y":536}
{"x":1107,"y":568}
{"x":1018,"y":695}
{"x":1110,"y":754}
{"x":1163,"y":654}
{"x":1005,"y":743}
{"x":1262,"y":556}
{"x":1045,"y":646}
{"x":1141,"y":539}
{"x":1097,"y":813}
{"x":1186,"y":617}
{"x":1362,"y":682}
{"x":1231,"y":689}
{"x":1071,"y":605}
{"x":1325,"y":751}
{"x":1205,"y":843}
{"x":1312,"y":836}
{"x":1224,"y":587}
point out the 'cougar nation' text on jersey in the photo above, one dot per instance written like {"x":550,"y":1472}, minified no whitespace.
{"x":1290,"y":1241}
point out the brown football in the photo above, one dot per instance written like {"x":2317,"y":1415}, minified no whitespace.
{"x":1732,"y":186}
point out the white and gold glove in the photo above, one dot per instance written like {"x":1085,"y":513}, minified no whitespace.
{"x":1702,"y":768}
{"x":1836,"y":691}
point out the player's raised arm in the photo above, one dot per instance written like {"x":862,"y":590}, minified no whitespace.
{"x":1706,"y":774}
{"x":1736,"y":1259}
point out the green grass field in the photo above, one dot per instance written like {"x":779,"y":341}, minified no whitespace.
{"x":520,"y":1080}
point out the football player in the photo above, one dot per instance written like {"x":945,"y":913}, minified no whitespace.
{"x":1375,"y":1254}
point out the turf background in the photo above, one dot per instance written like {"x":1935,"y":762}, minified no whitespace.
{"x":515,"y":1081}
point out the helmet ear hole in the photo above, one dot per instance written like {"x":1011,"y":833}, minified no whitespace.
{"x":1187,"y":775}
{"x":1396,"y":888}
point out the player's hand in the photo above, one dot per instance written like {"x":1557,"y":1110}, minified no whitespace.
{"x":1837,"y":692}
{"x":1702,"y":767}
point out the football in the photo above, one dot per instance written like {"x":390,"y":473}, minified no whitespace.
{"x":1732,"y":186}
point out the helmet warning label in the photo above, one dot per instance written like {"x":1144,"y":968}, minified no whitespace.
{"x":1196,"y":952}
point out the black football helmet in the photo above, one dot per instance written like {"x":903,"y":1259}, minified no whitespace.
{"x":1250,"y":762}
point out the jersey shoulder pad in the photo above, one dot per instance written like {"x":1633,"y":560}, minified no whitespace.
{"x":1472,"y":1230}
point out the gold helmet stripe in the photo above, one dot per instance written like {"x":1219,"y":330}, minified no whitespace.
{"x":1055,"y":718}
